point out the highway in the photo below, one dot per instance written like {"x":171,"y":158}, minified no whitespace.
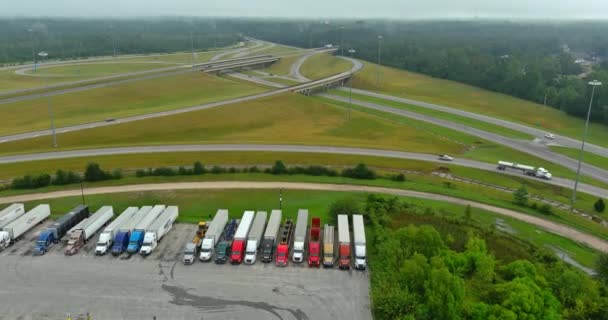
{"x":520,"y":145}
{"x":559,"y":140}
{"x":556,"y":181}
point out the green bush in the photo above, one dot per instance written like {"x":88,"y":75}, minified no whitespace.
{"x":93,"y":172}
{"x":361,"y":171}
{"x":65,"y":177}
{"x":31,"y":181}
{"x":278,"y":168}
{"x":599,"y":205}
{"x":198,"y":168}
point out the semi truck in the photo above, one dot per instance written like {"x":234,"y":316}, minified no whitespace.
{"x":160,"y":227}
{"x":299,"y":236}
{"x":282,"y":258}
{"x":254,"y":239}
{"x":240,"y":238}
{"x":191,"y":248}
{"x":11,"y":213}
{"x":79,"y":235}
{"x":14,"y":230}
{"x":270,"y":236}
{"x":137,"y":235}
{"x":213,"y":234}
{"x":359,"y":245}
{"x":104,"y":243}
{"x":59,"y":228}
{"x":328,"y":246}
{"x":121,"y":240}
{"x":343,"y":242}
{"x":539,"y":172}
{"x":314,"y":243}
{"x":222,"y":251}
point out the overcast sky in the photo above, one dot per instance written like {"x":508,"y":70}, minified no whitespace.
{"x":406,"y":9}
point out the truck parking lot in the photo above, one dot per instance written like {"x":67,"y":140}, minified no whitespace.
{"x":136,"y":287}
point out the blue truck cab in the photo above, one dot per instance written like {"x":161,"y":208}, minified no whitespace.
{"x":119,"y":245}
{"x":45,"y":240}
{"x":136,"y":240}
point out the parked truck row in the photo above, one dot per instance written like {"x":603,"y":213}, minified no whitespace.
{"x":242,"y":240}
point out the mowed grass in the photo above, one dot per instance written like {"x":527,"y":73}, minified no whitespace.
{"x":177,"y":58}
{"x":95,"y":69}
{"x":323,"y":65}
{"x":439,"y":115}
{"x":283,"y":119}
{"x":453,"y":94}
{"x":130,"y":99}
{"x":197,"y":205}
{"x":283,"y":66}
{"x":588,"y":157}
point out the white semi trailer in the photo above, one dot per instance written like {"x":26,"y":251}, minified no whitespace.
{"x":11,"y":213}
{"x":539,"y":172}
{"x":254,"y":239}
{"x":359,"y":237}
{"x":158,"y":229}
{"x":299,"y":236}
{"x":105,"y":238}
{"x":83,"y":231}
{"x":216,"y":227}
{"x":11,"y":232}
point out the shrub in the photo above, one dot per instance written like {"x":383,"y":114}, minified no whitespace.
{"x":545,"y":209}
{"x":65,"y":177}
{"x":599,"y":205}
{"x":198,"y":168}
{"x":140,"y":173}
{"x":217,"y":170}
{"x":254,"y":169}
{"x":521,"y":196}
{"x":164,"y":171}
{"x":361,"y":171}
{"x":347,"y":206}
{"x":278,"y":168}
{"x":399,"y":177}
{"x":31,"y":181}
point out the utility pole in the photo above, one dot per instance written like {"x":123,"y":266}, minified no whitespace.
{"x":379,"y":60}
{"x":31,"y":31}
{"x":43,"y":55}
{"x":342,"y":40}
{"x":593,"y":84}
{"x":82,"y":191}
{"x":281,"y":198}
{"x":350,"y":95}
{"x":192,"y":48}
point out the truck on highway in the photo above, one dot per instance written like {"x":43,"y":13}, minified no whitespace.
{"x":314,"y":243}
{"x":299,"y":236}
{"x":254,"y":239}
{"x":137,"y":235}
{"x":11,"y":213}
{"x":222,"y":251}
{"x":270,"y":236}
{"x":328,"y":246}
{"x":79,"y":235}
{"x":213,"y":234}
{"x":160,"y":227}
{"x":282,"y":258}
{"x":104,"y":243}
{"x":343,"y":242}
{"x":121,"y":240}
{"x":14,"y":230}
{"x":359,"y":245}
{"x":525,"y":169}
{"x":240,"y":238}
{"x":59,"y":228}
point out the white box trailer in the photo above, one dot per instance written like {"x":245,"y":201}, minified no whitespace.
{"x":359,"y":237}
{"x":107,"y":235}
{"x":299,"y":236}
{"x":130,"y":224}
{"x":83,"y":231}
{"x":254,"y":239}
{"x":147,"y":221}
{"x":244,"y":226}
{"x":216,"y":227}
{"x":158,"y":229}
{"x":11,"y":232}
{"x":270,"y":235}
{"x":11,"y":213}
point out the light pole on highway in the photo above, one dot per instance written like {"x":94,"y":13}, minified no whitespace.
{"x":192,"y":48}
{"x":43,"y":55}
{"x":31,"y":31}
{"x":593,"y":84}
{"x":379,"y":59}
{"x":341,"y":40}
{"x":352,"y":75}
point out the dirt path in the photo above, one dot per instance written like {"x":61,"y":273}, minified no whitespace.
{"x":550,"y":226}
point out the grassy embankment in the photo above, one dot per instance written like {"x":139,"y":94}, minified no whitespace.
{"x":198,"y":205}
{"x":588,"y":157}
{"x":449,"y":93}
{"x":323,"y":65}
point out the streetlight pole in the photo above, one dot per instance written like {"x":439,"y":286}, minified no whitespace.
{"x":350,"y":94}
{"x":192,"y":48}
{"x":31,"y":31}
{"x":593,"y":84}
{"x":379,"y":59}
{"x":342,"y":40}
{"x":43,"y":55}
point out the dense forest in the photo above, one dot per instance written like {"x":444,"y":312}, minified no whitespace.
{"x":533,"y":61}
{"x":426,"y":266}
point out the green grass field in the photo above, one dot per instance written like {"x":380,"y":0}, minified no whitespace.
{"x":439,"y":115}
{"x":134,"y":98}
{"x":196,"y":205}
{"x":449,"y":93}
{"x":323,"y":65}
{"x":95,"y":69}
{"x":283,"y":66}
{"x":277,"y":49}
{"x":177,"y":58}
{"x":588,"y":157}
{"x":267,"y":120}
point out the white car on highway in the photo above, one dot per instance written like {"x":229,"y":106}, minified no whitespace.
{"x":445,"y":157}
{"x":549,"y":136}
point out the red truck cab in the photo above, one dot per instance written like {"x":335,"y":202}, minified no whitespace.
{"x":238,"y":250}
{"x":344,"y":253}
{"x":314,"y":243}
{"x":282,"y":255}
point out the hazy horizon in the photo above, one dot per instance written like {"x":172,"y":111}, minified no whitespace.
{"x":389,"y":9}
